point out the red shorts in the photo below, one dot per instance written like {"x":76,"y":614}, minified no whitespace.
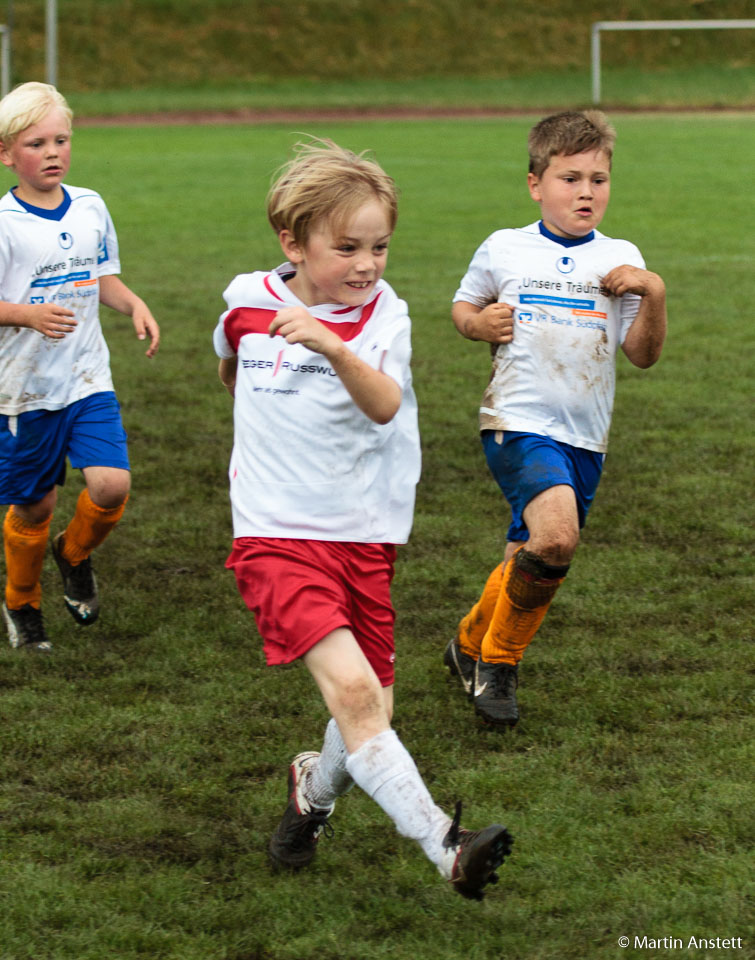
{"x":302,"y":590}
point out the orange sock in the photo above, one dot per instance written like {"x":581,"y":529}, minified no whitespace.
{"x":528,"y":588}
{"x":474,"y":626}
{"x":88,"y":527}
{"x":25,"y":545}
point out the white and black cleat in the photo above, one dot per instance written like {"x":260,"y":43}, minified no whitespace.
{"x":26,"y":629}
{"x":79,"y":586}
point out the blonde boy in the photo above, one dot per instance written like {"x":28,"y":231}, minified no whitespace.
{"x":58,"y":262}
{"x":323,"y":471}
{"x":555,"y":300}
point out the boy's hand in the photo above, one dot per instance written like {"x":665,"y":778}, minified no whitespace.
{"x":297,"y":325}
{"x":493,"y":323}
{"x":50,"y":320}
{"x":628,"y":279}
{"x":146,"y":326}
{"x":227,"y":369}
{"x":644,"y":339}
{"x":376,"y":394}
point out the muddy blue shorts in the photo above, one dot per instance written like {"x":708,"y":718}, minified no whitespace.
{"x":34,"y":446}
{"x":526,"y":464}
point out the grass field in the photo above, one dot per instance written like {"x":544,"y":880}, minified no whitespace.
{"x":137,"y":44}
{"x":703,"y":85}
{"x":143,"y":764}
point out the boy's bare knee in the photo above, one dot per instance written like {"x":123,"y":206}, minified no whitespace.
{"x":560,"y":550}
{"x":360,"y":700}
{"x":110,"y":498}
{"x":557,"y":547}
{"x":40,"y":512}
{"x":108,"y":488}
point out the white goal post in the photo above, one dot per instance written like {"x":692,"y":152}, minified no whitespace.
{"x":603,"y":25}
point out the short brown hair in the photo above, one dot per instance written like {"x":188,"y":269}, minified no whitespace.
{"x":325,"y":182}
{"x":573,"y":131}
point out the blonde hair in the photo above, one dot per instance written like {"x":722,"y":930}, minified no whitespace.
{"x":573,"y":131}
{"x":26,"y":105}
{"x":325,"y":182}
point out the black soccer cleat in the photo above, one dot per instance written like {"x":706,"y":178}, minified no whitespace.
{"x":79,"y":585}
{"x":294,"y":843}
{"x":460,"y":665}
{"x":494,"y":694}
{"x":26,"y":629}
{"x":479,"y":854}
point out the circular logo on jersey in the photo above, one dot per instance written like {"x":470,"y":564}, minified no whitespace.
{"x":65,"y":240}
{"x":565,"y":265}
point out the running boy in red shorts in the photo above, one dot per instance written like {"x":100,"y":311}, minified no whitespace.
{"x":325,"y":462}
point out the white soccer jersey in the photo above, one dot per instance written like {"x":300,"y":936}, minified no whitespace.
{"x":55,"y":256}
{"x":557,"y":376}
{"x":306,"y":462}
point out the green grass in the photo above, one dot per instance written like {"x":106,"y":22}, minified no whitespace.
{"x":128,"y":44}
{"x":622,"y":87}
{"x":143,"y":765}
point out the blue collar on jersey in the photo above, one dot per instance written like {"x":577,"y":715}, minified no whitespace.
{"x":565,"y":241}
{"x":57,"y":214}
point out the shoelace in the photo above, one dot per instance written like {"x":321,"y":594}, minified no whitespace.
{"x":80,"y":578}
{"x":456,"y":834}
{"x":452,"y":838}
{"x":307,"y":827}
{"x":505,"y":682}
{"x":33,"y":627}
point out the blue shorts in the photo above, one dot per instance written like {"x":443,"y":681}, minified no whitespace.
{"x":34,"y":446}
{"x":526,"y":464}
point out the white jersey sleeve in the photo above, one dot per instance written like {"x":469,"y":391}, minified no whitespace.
{"x":479,"y":285}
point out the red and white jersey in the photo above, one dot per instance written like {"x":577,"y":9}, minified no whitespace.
{"x":557,"y":376}
{"x":55,"y":256}
{"x":306,"y":462}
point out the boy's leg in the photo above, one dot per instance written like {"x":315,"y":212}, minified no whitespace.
{"x":328,"y":778}
{"x":463,"y":650}
{"x":474,"y":626}
{"x":360,"y":707}
{"x":26,"y":530}
{"x":32,"y":466}
{"x":381,"y":765}
{"x":315,"y":782}
{"x":385,"y":770}
{"x":352,"y":692}
{"x":98,"y":509}
{"x":530,"y":580}
{"x":96,"y":445}
{"x":349,"y":583}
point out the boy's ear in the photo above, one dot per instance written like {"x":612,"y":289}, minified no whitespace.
{"x":290,"y":247}
{"x":533,"y":183}
{"x":5,"y":157}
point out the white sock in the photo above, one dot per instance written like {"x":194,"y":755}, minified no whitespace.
{"x":328,"y":779}
{"x":384,"y":769}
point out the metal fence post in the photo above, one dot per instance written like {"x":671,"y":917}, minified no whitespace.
{"x":51,"y":42}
